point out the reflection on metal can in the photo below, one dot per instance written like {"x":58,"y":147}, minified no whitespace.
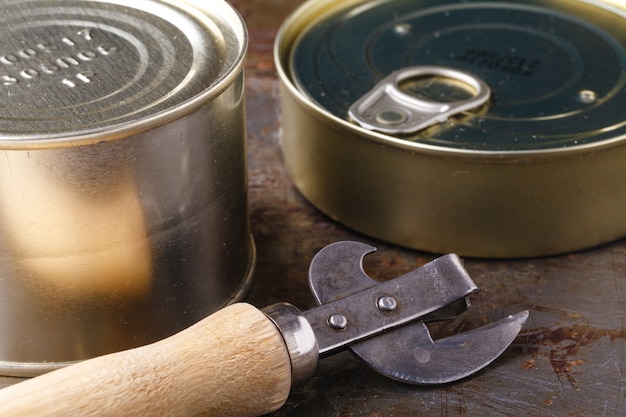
{"x":123,"y":216}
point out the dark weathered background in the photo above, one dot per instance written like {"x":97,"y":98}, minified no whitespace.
{"x":568,"y":361}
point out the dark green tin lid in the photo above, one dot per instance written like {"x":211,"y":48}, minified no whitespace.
{"x":557,"y":69}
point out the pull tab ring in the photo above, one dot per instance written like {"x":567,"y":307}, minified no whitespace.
{"x":388,"y":109}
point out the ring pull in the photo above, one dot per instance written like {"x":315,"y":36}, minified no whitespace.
{"x":388,"y":109}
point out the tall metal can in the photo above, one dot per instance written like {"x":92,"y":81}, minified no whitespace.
{"x":536,"y":169}
{"x":123,"y":185}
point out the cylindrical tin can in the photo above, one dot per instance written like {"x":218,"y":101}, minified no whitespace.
{"x":537,"y":171}
{"x":123,"y":183}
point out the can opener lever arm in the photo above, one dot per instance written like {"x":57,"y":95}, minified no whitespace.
{"x":241,"y":361}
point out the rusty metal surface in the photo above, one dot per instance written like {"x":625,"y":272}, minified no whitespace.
{"x":568,"y":361}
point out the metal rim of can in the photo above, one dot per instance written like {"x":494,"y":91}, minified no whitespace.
{"x":326,"y":195}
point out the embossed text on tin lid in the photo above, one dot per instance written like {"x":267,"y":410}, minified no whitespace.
{"x":75,"y":67}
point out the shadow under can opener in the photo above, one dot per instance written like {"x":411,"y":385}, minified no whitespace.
{"x":241,"y":361}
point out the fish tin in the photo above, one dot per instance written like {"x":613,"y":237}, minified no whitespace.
{"x":123,"y":207}
{"x":536,"y":167}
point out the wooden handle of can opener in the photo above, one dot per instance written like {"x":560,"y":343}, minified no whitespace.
{"x":233,"y":363}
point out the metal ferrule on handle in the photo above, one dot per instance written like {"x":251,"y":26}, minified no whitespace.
{"x":299,"y":339}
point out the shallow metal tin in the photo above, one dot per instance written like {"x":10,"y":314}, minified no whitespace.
{"x":537,"y":171}
{"x":123,"y":185}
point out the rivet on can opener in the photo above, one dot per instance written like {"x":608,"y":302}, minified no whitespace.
{"x":388,"y":109}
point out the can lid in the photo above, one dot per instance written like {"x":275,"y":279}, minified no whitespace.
{"x":72,"y":69}
{"x":557,"y":69}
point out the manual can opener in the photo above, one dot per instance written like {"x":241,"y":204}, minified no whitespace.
{"x":242,"y":361}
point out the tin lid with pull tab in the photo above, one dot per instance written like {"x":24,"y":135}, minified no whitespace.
{"x":510,"y":176}
{"x":556,"y":69}
{"x":89,"y":70}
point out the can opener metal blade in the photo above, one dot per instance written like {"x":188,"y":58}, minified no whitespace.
{"x":384,"y":323}
{"x":242,"y":361}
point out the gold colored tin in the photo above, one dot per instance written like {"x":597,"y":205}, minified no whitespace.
{"x":537,"y":171}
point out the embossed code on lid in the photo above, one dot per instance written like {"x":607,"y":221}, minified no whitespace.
{"x":557,"y":69}
{"x":73,"y":67}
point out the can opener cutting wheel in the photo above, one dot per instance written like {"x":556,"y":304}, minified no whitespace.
{"x":242,"y":361}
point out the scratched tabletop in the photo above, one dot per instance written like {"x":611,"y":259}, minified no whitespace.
{"x":567,"y":361}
